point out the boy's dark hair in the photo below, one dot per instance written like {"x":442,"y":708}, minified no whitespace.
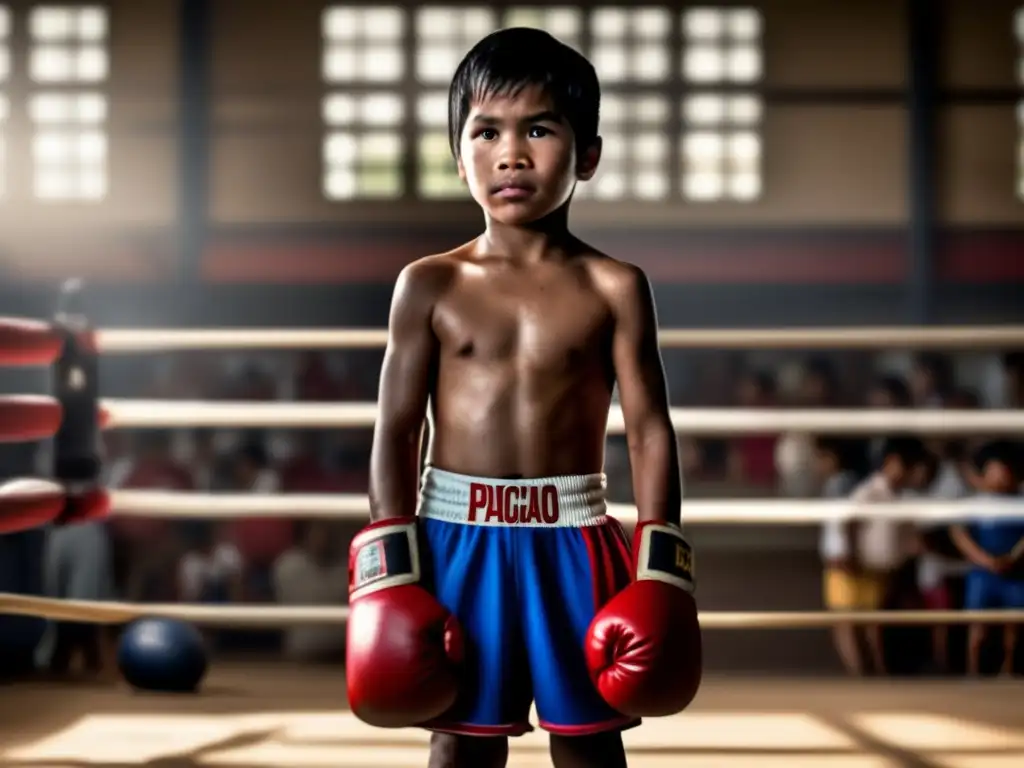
{"x":909,"y":450}
{"x":510,"y":60}
{"x":1006,"y":452}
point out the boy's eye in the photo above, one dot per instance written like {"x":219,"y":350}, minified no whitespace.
{"x":538,"y":131}
{"x":488,"y":134}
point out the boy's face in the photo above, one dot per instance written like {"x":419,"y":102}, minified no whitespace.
{"x":997,"y":477}
{"x":518,"y":157}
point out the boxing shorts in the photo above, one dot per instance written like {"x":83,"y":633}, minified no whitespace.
{"x":524,"y":565}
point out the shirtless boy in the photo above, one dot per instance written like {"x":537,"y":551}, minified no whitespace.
{"x":497,"y":579}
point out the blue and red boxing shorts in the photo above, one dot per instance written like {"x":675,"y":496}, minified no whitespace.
{"x":524,"y":565}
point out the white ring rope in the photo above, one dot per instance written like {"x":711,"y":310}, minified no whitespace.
{"x":276,"y":616}
{"x":148,"y":414}
{"x":129,"y":340}
{"x":177,"y":504}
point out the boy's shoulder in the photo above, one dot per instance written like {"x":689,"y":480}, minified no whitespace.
{"x":429,"y":276}
{"x":615,"y":277}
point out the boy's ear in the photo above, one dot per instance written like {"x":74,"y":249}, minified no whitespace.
{"x":462,"y":168}
{"x":587,"y":164}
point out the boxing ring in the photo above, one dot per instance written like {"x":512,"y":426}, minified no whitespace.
{"x":258,"y":716}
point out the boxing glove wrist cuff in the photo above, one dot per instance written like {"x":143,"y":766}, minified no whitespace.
{"x":385,"y":554}
{"x":664,"y":554}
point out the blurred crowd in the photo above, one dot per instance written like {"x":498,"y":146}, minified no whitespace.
{"x":303,"y":562}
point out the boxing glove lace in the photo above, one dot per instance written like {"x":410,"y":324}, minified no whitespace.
{"x":403,"y":647}
{"x":643,"y":648}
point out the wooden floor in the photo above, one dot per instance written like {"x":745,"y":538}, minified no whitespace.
{"x":253,"y":716}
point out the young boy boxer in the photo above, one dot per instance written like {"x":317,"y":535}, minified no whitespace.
{"x":499,"y":579}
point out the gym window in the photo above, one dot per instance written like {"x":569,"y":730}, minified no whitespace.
{"x":443,"y":36}
{"x":68,"y":51}
{"x":720,"y":148}
{"x":363,"y":64}
{"x":635,"y":158}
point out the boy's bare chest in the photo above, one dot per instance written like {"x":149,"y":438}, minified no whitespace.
{"x":541,"y":324}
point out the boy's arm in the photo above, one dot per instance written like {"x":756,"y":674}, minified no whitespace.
{"x":643,"y":394}
{"x":405,"y":381}
{"x":969,"y":547}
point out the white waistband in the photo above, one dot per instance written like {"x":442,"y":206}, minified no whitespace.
{"x":570,"y":501}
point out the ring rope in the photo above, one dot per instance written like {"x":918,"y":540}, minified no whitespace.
{"x":276,"y":616}
{"x":162,"y":414}
{"x":125,"y":340}
{"x":187,"y":505}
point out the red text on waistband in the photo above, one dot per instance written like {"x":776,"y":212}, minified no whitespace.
{"x":513,"y":504}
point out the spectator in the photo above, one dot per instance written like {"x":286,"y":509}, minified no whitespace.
{"x":794,"y":451}
{"x":206,"y":464}
{"x":210,"y":571}
{"x":819,"y":384}
{"x":752,"y":457}
{"x":145,"y":549}
{"x":834,"y":469}
{"x":1013,"y":379}
{"x":308,"y":573}
{"x":995,"y":547}
{"x":304,"y":470}
{"x":871,"y":550}
{"x":888,"y":392}
{"x":259,"y":540}
{"x":314,"y":380}
{"x":934,"y":567}
{"x":931,"y":380}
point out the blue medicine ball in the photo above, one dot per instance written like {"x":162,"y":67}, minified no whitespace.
{"x":162,"y":655}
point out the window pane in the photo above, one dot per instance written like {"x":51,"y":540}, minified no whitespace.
{"x":444,"y":35}
{"x":70,"y":146}
{"x":705,"y":24}
{"x":565,"y":23}
{"x":363,"y":44}
{"x":68,"y":44}
{"x":366,"y":164}
{"x":722,"y":45}
{"x":635,"y":157}
{"x":630,"y":46}
{"x":438,"y":173}
{"x":720,"y":150}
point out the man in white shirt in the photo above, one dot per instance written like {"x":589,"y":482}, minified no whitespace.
{"x":309,"y":573}
{"x":866,"y":552}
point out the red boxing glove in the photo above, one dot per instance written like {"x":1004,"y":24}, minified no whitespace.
{"x":403,"y":647}
{"x":643,"y":648}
